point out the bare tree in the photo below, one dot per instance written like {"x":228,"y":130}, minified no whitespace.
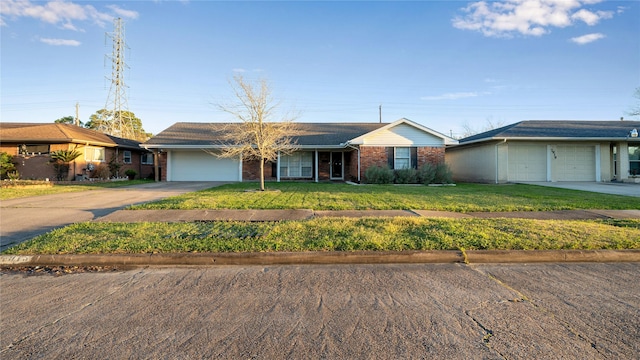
{"x":635,"y":111}
{"x":489,"y":125}
{"x":256,"y":136}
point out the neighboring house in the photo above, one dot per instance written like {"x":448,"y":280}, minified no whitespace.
{"x":549,"y":151}
{"x":325,"y":151}
{"x":32,"y":143}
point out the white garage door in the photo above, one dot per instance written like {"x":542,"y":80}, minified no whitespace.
{"x":527,"y":162}
{"x":575,"y":163}
{"x":201,"y":166}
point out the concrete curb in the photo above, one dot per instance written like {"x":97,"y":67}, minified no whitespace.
{"x":329,"y":257}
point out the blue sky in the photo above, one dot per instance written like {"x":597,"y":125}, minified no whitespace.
{"x":444,"y":64}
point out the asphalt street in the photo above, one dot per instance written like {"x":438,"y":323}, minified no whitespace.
{"x":434,"y":311}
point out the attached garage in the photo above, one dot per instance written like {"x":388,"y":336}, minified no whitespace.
{"x":197,"y":165}
{"x":527,"y":162}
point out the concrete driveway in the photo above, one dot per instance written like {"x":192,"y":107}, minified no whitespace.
{"x":24,"y":218}
{"x":625,"y":189}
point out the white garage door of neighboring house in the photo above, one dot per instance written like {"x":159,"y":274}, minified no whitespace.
{"x":527,"y":162}
{"x":575,"y":163}
{"x":201,"y":166}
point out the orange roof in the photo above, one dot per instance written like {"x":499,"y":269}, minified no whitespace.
{"x":53,"y":133}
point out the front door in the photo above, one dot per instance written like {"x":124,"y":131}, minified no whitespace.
{"x":336,"y":165}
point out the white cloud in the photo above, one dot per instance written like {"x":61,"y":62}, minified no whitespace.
{"x":585,"y":39}
{"x":60,"y":12}
{"x":239,"y":70}
{"x":60,"y":42}
{"x":526,"y":17}
{"x":453,"y":96}
{"x":129,"y":14}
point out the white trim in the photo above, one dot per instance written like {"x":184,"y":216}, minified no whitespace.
{"x":549,"y":163}
{"x":316,"y":166}
{"x":598,"y":164}
{"x":278,"y":168}
{"x":168,"y":170}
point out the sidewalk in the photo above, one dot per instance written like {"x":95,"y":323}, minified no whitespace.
{"x":131,"y":216}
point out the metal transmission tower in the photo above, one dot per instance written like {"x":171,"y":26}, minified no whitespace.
{"x":112,"y":120}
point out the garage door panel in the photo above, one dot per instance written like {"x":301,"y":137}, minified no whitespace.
{"x":575,"y":163}
{"x":527,"y":163}
{"x":202,"y":166}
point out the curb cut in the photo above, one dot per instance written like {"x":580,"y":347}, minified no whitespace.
{"x":325,"y":258}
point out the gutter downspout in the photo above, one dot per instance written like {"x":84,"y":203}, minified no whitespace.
{"x":504,"y":141}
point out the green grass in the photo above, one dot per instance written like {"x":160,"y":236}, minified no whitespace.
{"x":335,"y":234}
{"x":328,"y":196}
{"x":26,"y":191}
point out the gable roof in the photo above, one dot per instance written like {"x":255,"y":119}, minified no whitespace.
{"x":447,"y":140}
{"x":558,"y":130}
{"x":51,"y":133}
{"x":307,"y":135}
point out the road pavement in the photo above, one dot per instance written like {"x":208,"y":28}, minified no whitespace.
{"x":24,"y":218}
{"x":434,"y":311}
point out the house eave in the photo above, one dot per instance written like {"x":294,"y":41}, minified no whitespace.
{"x":573,"y":139}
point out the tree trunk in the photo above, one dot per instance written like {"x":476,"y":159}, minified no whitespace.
{"x":261,"y":174}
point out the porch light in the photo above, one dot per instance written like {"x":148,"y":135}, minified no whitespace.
{"x":633,"y":133}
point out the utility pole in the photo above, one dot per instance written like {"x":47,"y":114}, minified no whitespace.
{"x":76,"y":121}
{"x":112,"y":121}
{"x":380,"y":113}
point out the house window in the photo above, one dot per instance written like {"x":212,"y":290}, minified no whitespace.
{"x":634,"y":160}
{"x":93,"y":154}
{"x":402,"y":157}
{"x":146,"y":158}
{"x":297,"y":165}
{"x":126,"y":157}
{"x":33,"y":149}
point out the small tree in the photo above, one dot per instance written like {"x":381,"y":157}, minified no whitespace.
{"x":61,"y":160}
{"x":256,"y":136}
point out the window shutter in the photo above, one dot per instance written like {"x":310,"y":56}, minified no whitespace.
{"x":274,"y":169}
{"x":390,"y":157}
{"x":414,"y":158}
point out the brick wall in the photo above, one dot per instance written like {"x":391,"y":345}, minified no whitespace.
{"x":251,"y":170}
{"x":372,"y":156}
{"x":433,"y":155}
{"x":377,"y":156}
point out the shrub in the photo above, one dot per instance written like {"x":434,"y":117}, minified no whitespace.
{"x":6,"y":165}
{"x":131,"y":173}
{"x":379,"y":175}
{"x":443,"y":174}
{"x":101,"y":171}
{"x":426,"y":174}
{"x":406,"y":176}
{"x":435,"y":174}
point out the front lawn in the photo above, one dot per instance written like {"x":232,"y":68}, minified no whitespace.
{"x":329,"y":196}
{"x":13,"y":192}
{"x":335,"y":234}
